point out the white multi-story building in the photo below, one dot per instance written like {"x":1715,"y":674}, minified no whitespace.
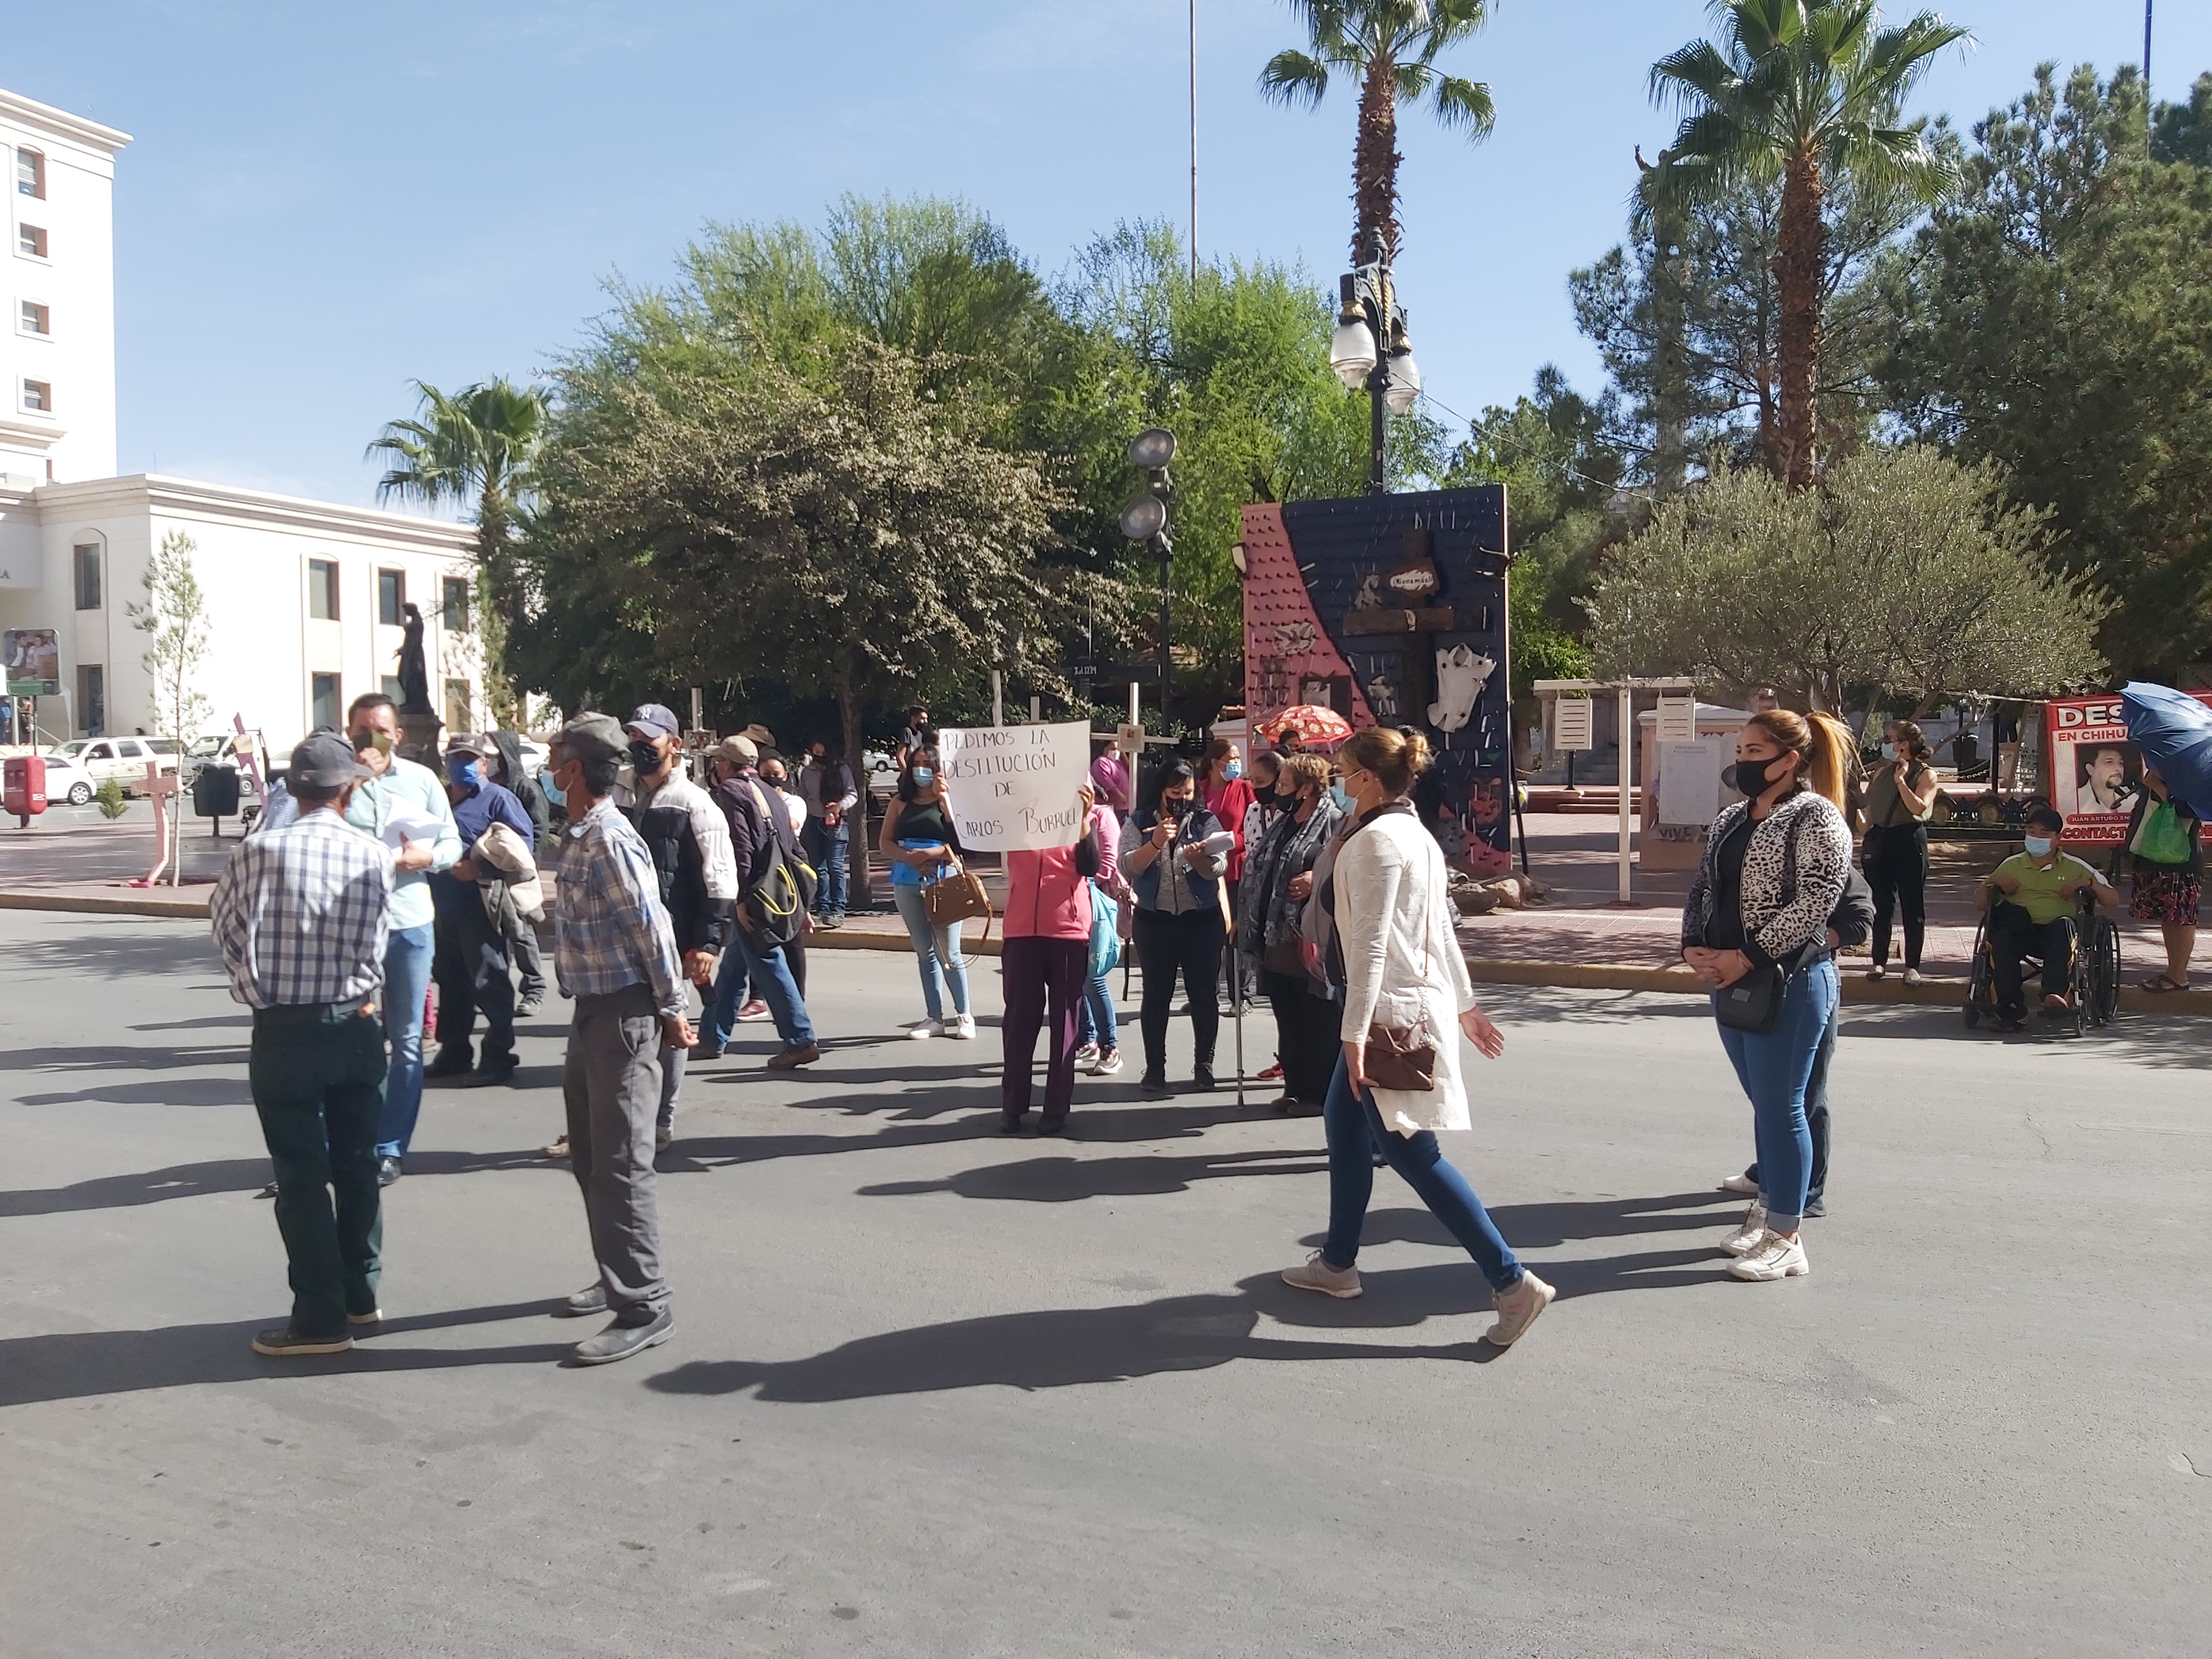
{"x":306,"y":598}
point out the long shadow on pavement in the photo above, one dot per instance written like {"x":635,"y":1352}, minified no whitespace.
{"x":226,"y":1174}
{"x":74,"y":1364}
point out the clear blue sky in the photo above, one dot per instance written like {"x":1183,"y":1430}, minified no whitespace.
{"x":323,"y":201}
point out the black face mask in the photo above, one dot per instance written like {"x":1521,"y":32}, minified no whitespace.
{"x":645,"y":757}
{"x":1752,"y":778}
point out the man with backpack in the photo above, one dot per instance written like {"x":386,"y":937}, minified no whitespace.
{"x":774,"y":886}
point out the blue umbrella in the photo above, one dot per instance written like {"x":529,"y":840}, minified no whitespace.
{"x":2174,"y":731}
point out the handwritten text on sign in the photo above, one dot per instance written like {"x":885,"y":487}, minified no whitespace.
{"x":1012,"y":788}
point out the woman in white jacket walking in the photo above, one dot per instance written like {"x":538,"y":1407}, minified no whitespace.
{"x":1381,"y":905}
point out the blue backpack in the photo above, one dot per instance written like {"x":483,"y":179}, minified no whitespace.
{"x":1105,"y":932}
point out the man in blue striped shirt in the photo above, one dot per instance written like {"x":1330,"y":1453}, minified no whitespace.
{"x":615,"y":953}
{"x":300,"y":916}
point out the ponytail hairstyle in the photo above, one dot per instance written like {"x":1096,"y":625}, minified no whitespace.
{"x":1912,"y":741}
{"x":1823,"y":743}
{"x":1396,"y":754}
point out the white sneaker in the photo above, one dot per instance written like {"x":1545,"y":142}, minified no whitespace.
{"x":922,"y":1028}
{"x":1746,"y":1238}
{"x":1087,"y":1054}
{"x":1342,"y":1283}
{"x":1107,"y":1064}
{"x":1777,"y":1257}
{"x":961,"y":1029}
{"x":1517,"y":1312}
{"x":1913,"y":976}
{"x":1737,"y":1183}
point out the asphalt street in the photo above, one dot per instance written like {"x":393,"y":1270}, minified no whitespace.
{"x":935,"y":1392}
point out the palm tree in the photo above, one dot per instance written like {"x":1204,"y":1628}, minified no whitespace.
{"x":1391,"y":45}
{"x":476,"y":448}
{"x":1807,"y":91}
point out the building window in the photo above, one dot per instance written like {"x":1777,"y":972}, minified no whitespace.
{"x":457,"y":604}
{"x":30,"y":239}
{"x":391,"y":595}
{"x":323,"y":694}
{"x":457,"y":705}
{"x":37,"y":319}
{"x":91,"y":698}
{"x":38,"y":397}
{"x":31,"y":173}
{"x":323,"y":589}
{"x":86,"y":556}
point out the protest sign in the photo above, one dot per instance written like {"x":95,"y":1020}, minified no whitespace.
{"x":1011,"y":788}
{"x":2095,"y":773}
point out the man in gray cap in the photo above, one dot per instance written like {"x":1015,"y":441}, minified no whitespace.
{"x":615,"y":953}
{"x":300,"y":916}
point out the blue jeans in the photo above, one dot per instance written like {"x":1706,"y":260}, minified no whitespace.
{"x":1355,"y":1129}
{"x":771,"y":978}
{"x":1095,"y":1016}
{"x":731,"y":982}
{"x":936,"y":949}
{"x":406,"y":982}
{"x":825,"y":851}
{"x":1774,"y":1068}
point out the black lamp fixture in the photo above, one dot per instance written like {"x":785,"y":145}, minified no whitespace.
{"x":1145,"y":519}
{"x":1372,"y":349}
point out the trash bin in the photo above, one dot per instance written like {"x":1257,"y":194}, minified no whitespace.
{"x":215,"y":792}
{"x":23,"y":786}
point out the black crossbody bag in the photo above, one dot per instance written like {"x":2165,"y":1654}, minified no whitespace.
{"x":1754,"y":1003}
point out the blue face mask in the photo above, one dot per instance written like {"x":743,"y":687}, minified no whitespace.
{"x":1233,"y":771}
{"x":1889,"y":751}
{"x":1343,"y":801}
{"x":924,"y":776}
{"x":2039,"y":847}
{"x":463,"y":768}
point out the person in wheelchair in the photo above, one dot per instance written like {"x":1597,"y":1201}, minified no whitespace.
{"x":2033,"y":897}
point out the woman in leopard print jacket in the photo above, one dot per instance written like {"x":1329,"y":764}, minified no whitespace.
{"x":1775,"y":866}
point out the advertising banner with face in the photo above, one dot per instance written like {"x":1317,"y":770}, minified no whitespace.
{"x":2095,"y":773}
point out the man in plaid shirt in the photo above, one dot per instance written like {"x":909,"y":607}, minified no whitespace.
{"x":301,"y":916}
{"x":615,"y":953}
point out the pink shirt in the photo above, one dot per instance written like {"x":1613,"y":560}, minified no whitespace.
{"x":1111,"y":779}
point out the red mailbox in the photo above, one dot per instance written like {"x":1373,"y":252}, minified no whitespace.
{"x":23,"y":784}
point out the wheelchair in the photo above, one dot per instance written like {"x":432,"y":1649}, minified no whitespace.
{"x":2095,"y":991}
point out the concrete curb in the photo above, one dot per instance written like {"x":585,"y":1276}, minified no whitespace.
{"x":1483,"y":970}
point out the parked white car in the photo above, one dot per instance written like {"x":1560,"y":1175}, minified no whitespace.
{"x":66,"y":780}
{"x":122,"y":759}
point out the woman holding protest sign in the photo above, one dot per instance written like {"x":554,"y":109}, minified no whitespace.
{"x":1046,"y":964}
{"x":2164,"y":849}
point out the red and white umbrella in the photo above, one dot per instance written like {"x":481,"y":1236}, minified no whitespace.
{"x":1315,"y":724}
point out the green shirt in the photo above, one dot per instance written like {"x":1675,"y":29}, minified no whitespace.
{"x":2039,"y":887}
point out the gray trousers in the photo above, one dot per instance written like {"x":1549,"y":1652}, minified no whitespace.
{"x":612,"y":1085}
{"x":672,"y":1061}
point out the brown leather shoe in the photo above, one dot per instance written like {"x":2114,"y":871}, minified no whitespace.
{"x":790,"y":1059}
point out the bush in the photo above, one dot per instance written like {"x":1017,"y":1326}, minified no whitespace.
{"x":109,"y":799}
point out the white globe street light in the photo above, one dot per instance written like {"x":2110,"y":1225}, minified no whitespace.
{"x":1352,"y":350}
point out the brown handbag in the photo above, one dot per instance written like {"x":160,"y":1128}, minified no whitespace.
{"x":1403,"y":1057}
{"x":952,"y":900}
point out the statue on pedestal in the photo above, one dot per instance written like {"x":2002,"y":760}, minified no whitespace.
{"x":419,"y":725}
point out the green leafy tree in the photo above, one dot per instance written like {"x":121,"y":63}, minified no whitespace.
{"x":1801,"y":93}
{"x":110,"y":800}
{"x":2056,"y":319}
{"x":859,"y":540}
{"x":1688,"y":325}
{"x":2183,"y":132}
{"x":1390,"y":47}
{"x":173,"y":616}
{"x":474,"y":449}
{"x":1902,"y":575}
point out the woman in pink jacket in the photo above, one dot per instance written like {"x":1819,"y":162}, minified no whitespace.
{"x":1046,"y":963}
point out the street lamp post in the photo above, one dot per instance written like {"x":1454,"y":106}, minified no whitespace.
{"x":1371,"y":349}
{"x":1145,"y":519}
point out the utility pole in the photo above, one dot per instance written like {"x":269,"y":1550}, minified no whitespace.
{"x":2147,"y":6}
{"x":1194,"y":139}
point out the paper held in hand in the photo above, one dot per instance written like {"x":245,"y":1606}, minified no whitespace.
{"x":404,"y":823}
{"x":1012,"y":788}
